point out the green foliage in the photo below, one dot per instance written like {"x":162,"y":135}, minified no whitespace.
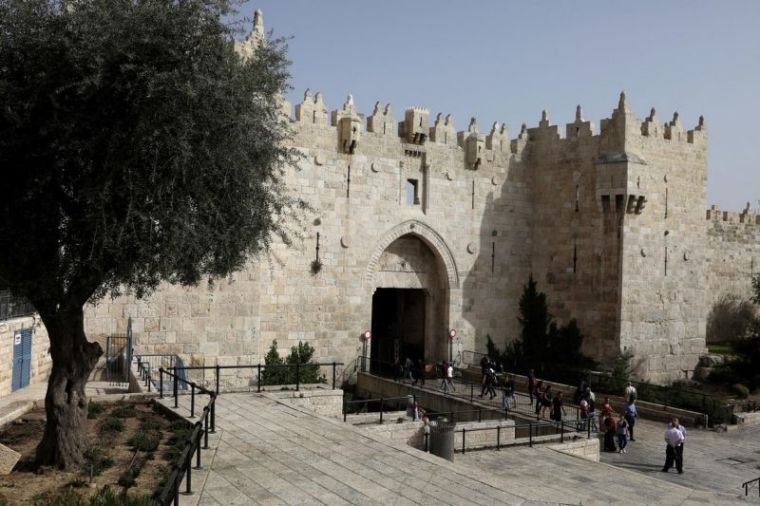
{"x":301,"y":355}
{"x":144,"y":442}
{"x":149,"y":425}
{"x":124,"y":411}
{"x":730,"y":319}
{"x":620,"y":373}
{"x":94,"y":409}
{"x":541,"y":342}
{"x":95,"y":462}
{"x":127,"y":478}
{"x":756,"y":288}
{"x":112,"y":424}
{"x":741,"y":391}
{"x":105,"y":497}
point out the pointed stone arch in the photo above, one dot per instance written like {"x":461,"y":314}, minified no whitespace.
{"x":428,"y":235}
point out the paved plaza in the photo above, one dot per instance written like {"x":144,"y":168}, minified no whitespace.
{"x":269,"y":452}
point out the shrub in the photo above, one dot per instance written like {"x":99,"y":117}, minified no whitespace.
{"x":740,"y":390}
{"x":150,"y":425}
{"x":127,"y":478}
{"x":144,"y":442}
{"x":94,"y":409}
{"x":124,"y":411}
{"x":95,"y":462}
{"x":112,"y":424}
{"x":730,"y":319}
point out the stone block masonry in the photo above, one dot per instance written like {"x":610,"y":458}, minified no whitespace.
{"x":611,"y":225}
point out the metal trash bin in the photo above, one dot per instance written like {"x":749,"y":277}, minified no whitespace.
{"x":442,"y":439}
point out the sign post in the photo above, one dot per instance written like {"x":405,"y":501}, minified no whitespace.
{"x":452,"y":335}
{"x":366,"y":336}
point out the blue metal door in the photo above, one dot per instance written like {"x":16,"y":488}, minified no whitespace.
{"x":22,"y":358}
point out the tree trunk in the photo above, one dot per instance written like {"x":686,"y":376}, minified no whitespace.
{"x":63,"y":442}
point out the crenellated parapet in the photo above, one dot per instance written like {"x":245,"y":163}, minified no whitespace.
{"x":473,"y":143}
{"x":349,"y":125}
{"x":381,"y":121}
{"x":443,"y":131}
{"x":312,"y":110}
{"x":746,"y":216}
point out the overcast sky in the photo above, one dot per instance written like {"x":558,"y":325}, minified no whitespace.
{"x":506,"y":61}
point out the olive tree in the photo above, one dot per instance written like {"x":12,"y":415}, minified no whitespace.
{"x":136,"y":147}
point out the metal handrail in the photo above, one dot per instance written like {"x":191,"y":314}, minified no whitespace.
{"x":560,"y":428}
{"x":259,"y":367}
{"x":381,"y":400}
{"x":748,"y":484}
{"x":201,"y":429}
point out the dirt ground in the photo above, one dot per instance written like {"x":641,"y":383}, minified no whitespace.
{"x":27,"y":486}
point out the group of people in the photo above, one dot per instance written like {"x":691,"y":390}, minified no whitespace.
{"x":544,"y":399}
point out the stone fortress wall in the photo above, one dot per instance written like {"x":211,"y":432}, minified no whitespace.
{"x":611,"y":225}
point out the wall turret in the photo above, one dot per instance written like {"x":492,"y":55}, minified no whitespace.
{"x":349,"y":124}
{"x":473,"y":143}
{"x":415,"y":128}
{"x":579,"y":127}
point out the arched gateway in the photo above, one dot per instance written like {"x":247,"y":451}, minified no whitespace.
{"x":410,"y":275}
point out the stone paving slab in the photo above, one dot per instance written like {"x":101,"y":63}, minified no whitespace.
{"x":272,"y":453}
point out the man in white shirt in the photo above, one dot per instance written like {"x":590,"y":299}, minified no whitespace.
{"x":674,"y":449}
{"x":629,"y":393}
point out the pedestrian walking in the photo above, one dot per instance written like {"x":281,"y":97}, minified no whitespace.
{"x":630,"y":413}
{"x":419,"y":373}
{"x":558,"y":409}
{"x":532,"y":385}
{"x":622,"y":434}
{"x":489,"y":382}
{"x":610,"y":429}
{"x":674,"y":450}
{"x":509,"y":401}
{"x":409,"y":370}
{"x":546,"y":400}
{"x":448,"y":378}
{"x":630,"y":394}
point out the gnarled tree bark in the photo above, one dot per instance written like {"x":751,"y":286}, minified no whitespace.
{"x":74,"y":358}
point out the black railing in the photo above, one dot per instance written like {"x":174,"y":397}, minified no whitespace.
{"x":148,"y":363}
{"x":675,"y":395}
{"x":534,"y":429}
{"x":117,"y":358}
{"x":748,"y":484}
{"x":182,"y":469}
{"x":382,"y":402}
{"x":263,"y":379}
{"x":466,"y":390}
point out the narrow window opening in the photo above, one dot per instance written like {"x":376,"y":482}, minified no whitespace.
{"x":666,"y":202}
{"x":575,"y":258}
{"x":348,"y":182}
{"x":577,"y":197}
{"x":473,"y":194}
{"x":412,"y":192}
{"x":618,"y":203}
{"x":606,"y":203}
{"x":420,"y":121}
{"x":666,"y":260}
{"x":493,"y":255}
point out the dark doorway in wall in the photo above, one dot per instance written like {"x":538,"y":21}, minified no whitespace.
{"x":398,"y":327}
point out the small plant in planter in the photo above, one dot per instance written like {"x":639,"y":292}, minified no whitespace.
{"x":112,"y":424}
{"x":94,"y":409}
{"x":143,"y":442}
{"x":125,"y":411}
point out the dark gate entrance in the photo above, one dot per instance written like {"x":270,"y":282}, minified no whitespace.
{"x":398,"y":327}
{"x":22,"y":358}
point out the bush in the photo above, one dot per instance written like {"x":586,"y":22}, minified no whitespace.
{"x":150,"y":425}
{"x":144,"y":442}
{"x":95,"y":462}
{"x":730,"y":319}
{"x":94,"y":409}
{"x":273,"y":374}
{"x":741,"y":391}
{"x":112,"y":424}
{"x":124,"y":411}
{"x":127,"y":478}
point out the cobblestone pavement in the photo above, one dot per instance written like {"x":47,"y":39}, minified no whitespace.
{"x":712,"y":461}
{"x":271,"y":453}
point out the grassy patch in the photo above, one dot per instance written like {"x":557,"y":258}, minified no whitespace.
{"x":95,"y":462}
{"x":94,"y":409}
{"x":124,"y":411}
{"x":112,"y":424}
{"x":143,"y":442}
{"x":721,"y":348}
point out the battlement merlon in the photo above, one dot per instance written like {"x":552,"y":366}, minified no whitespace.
{"x":746,"y":216}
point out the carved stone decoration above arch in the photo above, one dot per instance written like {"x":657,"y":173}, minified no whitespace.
{"x":428,"y":235}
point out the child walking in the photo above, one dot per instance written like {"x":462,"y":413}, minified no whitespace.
{"x":622,"y":434}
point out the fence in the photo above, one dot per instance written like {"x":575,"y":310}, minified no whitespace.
{"x":264,"y":375}
{"x":534,"y":430}
{"x":201,"y":429}
{"x":748,"y":484}
{"x":675,"y":395}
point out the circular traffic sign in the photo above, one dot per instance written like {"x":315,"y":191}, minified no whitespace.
{"x":452,"y":333}
{"x":366,"y":335}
